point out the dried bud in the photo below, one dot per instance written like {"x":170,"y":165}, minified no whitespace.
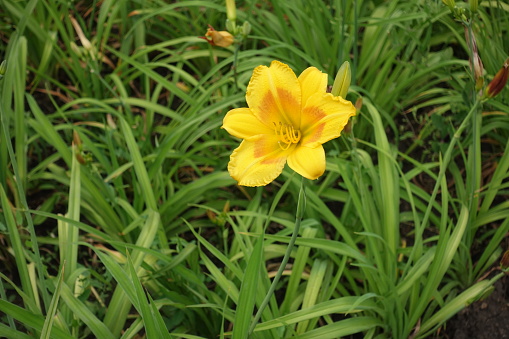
{"x":499,"y":81}
{"x":77,"y":140}
{"x":342,"y":81}
{"x":212,"y":216}
{"x":504,"y":263}
{"x":475,"y":60}
{"x":218,"y":38}
{"x":478,"y":66}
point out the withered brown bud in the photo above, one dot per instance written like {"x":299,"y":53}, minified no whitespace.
{"x":499,"y":81}
{"x":504,"y":262}
{"x":218,"y":38}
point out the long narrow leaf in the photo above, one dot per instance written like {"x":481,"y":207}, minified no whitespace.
{"x":249,"y":287}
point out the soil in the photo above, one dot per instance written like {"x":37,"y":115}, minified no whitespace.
{"x":484,"y":319}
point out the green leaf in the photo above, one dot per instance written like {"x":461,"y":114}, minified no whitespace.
{"x":32,"y":320}
{"x":248,"y":289}
{"x":52,"y":309}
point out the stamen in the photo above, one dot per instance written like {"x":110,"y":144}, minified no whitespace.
{"x":287,"y":135}
{"x":285,"y":147}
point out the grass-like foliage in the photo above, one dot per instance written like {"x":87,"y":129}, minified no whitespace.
{"x":119,"y":218}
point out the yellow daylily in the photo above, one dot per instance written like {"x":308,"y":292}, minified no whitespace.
{"x":288,"y":120}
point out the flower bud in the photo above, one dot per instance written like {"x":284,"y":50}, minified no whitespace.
{"x":218,"y":38}
{"x":342,"y":81}
{"x":3,"y":68}
{"x":246,"y":28}
{"x":231,"y":10}
{"x":230,"y":26}
{"x":499,"y":81}
{"x":450,"y":4}
{"x":473,"y":5}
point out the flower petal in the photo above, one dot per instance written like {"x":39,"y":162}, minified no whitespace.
{"x":257,"y":162}
{"x":274,"y":95}
{"x":323,"y":118}
{"x":311,"y":82}
{"x":241,"y":123}
{"x":308,"y":162}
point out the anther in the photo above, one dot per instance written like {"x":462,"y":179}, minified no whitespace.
{"x":287,"y":135}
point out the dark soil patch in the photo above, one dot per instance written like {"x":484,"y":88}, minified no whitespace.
{"x":484,"y":319}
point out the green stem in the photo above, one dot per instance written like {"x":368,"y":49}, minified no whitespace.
{"x":234,"y":66}
{"x":474,"y":156}
{"x":301,"y":205}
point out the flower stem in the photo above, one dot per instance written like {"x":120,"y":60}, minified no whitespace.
{"x":235,"y":63}
{"x":301,"y":206}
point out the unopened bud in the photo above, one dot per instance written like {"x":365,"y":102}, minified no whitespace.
{"x":3,"y":68}
{"x":231,"y":27}
{"x":473,"y":5}
{"x":499,"y":81}
{"x":246,"y":28}
{"x":231,"y":10}
{"x":226,"y":207}
{"x":342,"y":81}
{"x":450,"y":4}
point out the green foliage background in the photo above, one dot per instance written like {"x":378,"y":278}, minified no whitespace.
{"x":120,"y":220}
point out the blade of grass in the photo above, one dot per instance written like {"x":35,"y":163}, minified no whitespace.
{"x":454,"y":306}
{"x":82,"y":312}
{"x":17,"y":247}
{"x":342,"y":328}
{"x":389,"y":187}
{"x":313,"y":286}
{"x":116,"y":314}
{"x":301,"y":206}
{"x":20,"y":126}
{"x":446,"y":249}
{"x":248,"y":289}
{"x":11,"y":333}
{"x":338,"y":305}
{"x":151,"y":317}
{"x":53,"y":306}
{"x":69,"y":247}
{"x":30,"y":319}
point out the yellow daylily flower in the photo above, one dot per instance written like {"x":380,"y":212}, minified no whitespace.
{"x":288,"y":120}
